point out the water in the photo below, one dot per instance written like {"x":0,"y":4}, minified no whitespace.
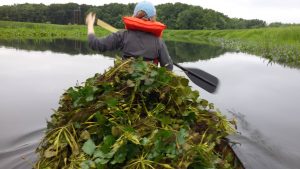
{"x":263,"y":97}
{"x":265,"y":100}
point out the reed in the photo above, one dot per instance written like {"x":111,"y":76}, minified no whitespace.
{"x":281,"y":45}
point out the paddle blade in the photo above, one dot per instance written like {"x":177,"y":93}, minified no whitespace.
{"x":106,"y":26}
{"x":202,"y":79}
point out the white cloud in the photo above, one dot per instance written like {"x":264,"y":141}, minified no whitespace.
{"x":287,"y":11}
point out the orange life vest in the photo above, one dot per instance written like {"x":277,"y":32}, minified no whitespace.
{"x":132,"y":23}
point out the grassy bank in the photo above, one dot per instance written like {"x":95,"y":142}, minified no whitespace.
{"x":277,"y":44}
{"x":24,"y":30}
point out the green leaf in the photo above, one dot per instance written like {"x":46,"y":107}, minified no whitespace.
{"x":132,"y":150}
{"x":130,"y":83}
{"x":85,"y":165}
{"x":100,"y":118}
{"x":149,"y":81}
{"x":111,"y":102}
{"x":140,"y":66}
{"x":153,"y":73}
{"x":77,"y":125}
{"x":98,"y":153}
{"x":89,"y":147}
{"x":108,"y":141}
{"x":165,"y":120}
{"x":145,"y":141}
{"x":204,"y":103}
{"x":90,"y":98}
{"x":184,"y":82}
{"x":159,"y":108}
{"x":101,"y":161}
{"x":165,"y":134}
{"x":120,"y":156}
{"x":181,"y":136}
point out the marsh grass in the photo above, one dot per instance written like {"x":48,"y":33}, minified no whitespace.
{"x":281,"y":45}
{"x":23,"y":30}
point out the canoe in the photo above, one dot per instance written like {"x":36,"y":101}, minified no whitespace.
{"x":227,"y":152}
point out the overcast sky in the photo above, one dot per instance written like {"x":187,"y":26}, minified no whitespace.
{"x":287,"y":11}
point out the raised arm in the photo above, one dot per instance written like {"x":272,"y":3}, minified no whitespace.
{"x":90,"y":20}
{"x":109,"y":43}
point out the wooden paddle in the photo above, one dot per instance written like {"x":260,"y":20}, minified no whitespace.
{"x":201,"y":78}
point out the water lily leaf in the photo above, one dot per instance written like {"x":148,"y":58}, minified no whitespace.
{"x":101,"y":160}
{"x":149,"y":81}
{"x":130,"y":83}
{"x":182,"y":134}
{"x":108,"y":141}
{"x":184,"y":82}
{"x":159,"y":108}
{"x":153,"y":73}
{"x":178,"y":101}
{"x":99,"y":153}
{"x":111,"y":102}
{"x":145,"y":141}
{"x":165,"y":120}
{"x":89,"y":147}
{"x":211,"y":106}
{"x":120,"y":156}
{"x":165,"y":134}
{"x":77,"y":125}
{"x":140,"y":66}
{"x":90,"y":98}
{"x":204,"y":103}
{"x":100,"y":118}
{"x":85,"y":165}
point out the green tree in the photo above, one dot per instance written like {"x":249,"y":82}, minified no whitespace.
{"x":168,"y":13}
{"x":175,"y":16}
{"x":192,"y":18}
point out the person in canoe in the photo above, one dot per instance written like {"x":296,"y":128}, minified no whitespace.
{"x":141,"y":38}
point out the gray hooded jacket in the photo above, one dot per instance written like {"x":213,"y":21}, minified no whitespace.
{"x":133,"y":44}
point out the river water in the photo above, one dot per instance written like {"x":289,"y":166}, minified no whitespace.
{"x":263,"y":96}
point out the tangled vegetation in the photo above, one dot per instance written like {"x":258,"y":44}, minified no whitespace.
{"x":135,"y":115}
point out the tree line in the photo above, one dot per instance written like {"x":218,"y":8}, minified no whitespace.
{"x":175,"y":16}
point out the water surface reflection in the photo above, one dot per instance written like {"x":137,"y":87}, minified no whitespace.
{"x":180,"y":52}
{"x":265,"y":99}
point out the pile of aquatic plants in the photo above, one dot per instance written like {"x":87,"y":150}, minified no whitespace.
{"x":135,"y":115}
